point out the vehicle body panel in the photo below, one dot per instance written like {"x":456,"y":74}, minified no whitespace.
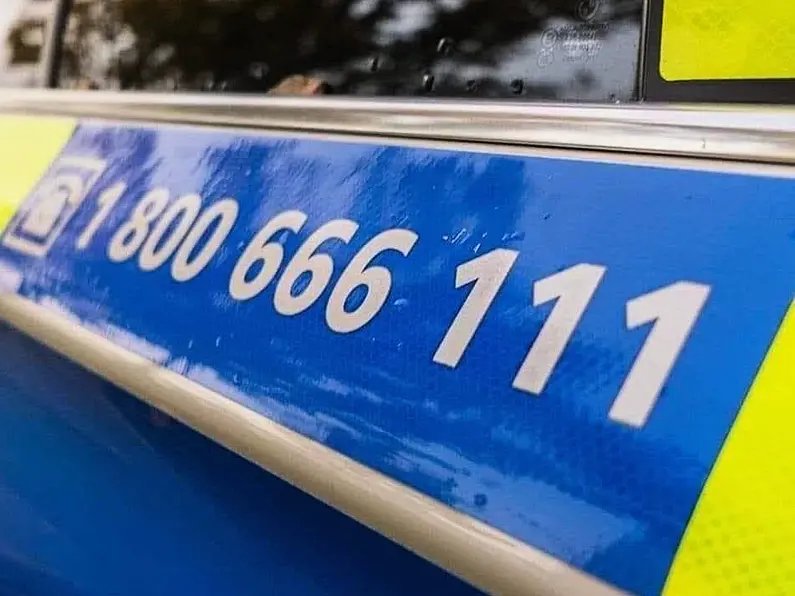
{"x":553,"y":471}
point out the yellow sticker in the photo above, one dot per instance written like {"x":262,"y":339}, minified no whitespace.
{"x":727,"y":39}
{"x":28,"y":145}
{"x":741,"y":538}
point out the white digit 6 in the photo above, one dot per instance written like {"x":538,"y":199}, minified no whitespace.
{"x":377,"y":280}
{"x":321,"y":268}
{"x":130,"y":236}
{"x":261,"y":249}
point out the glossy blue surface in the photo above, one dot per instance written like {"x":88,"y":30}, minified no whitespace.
{"x":100,"y":494}
{"x":552,"y":470}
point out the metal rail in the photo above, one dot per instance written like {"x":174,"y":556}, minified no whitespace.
{"x":741,"y":133}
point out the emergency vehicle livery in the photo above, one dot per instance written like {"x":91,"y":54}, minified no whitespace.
{"x":584,"y":355}
{"x":395,"y":297}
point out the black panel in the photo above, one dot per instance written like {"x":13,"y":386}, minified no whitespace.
{"x":583,"y":50}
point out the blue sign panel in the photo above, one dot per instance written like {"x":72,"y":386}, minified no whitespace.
{"x":555,"y":347}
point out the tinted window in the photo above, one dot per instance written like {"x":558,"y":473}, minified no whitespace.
{"x":556,"y":49}
{"x":24,"y":26}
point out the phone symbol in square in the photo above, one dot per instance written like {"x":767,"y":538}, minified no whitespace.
{"x":53,"y":202}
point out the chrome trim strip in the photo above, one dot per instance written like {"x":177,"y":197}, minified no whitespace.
{"x":640,"y":79}
{"x":758,"y":134}
{"x":470,"y":549}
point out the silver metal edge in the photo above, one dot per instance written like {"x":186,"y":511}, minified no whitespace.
{"x":745,"y":133}
{"x":640,"y":79}
{"x":775,"y":170}
{"x":468,"y":548}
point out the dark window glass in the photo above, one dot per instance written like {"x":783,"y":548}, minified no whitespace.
{"x":24,"y":27}
{"x":551,"y":49}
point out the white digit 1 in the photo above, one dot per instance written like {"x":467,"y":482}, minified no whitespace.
{"x":573,"y":288}
{"x":674,"y":310}
{"x":377,"y":280}
{"x":224,"y":212}
{"x":489,"y":273}
{"x":106,"y":201}
{"x":320,"y":267}
{"x":261,"y":249}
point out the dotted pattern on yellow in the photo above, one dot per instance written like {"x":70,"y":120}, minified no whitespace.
{"x":741,"y":538}
{"x":727,"y":39}
{"x":28,"y":145}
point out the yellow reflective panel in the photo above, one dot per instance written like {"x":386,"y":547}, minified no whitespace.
{"x":27,"y":146}
{"x":741,"y":538}
{"x":727,"y":39}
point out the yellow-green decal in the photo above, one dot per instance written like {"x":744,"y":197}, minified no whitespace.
{"x":741,"y":538}
{"x":28,"y":145}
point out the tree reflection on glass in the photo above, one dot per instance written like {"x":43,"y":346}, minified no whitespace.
{"x":556,"y":49}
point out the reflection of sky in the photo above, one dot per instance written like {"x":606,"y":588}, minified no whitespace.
{"x":410,"y":17}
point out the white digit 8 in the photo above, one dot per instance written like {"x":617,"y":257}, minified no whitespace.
{"x":376,"y":279}
{"x":187,"y":265}
{"x":321,"y":268}
{"x":156,"y":251}
{"x":262,"y":249}
{"x":130,"y":236}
